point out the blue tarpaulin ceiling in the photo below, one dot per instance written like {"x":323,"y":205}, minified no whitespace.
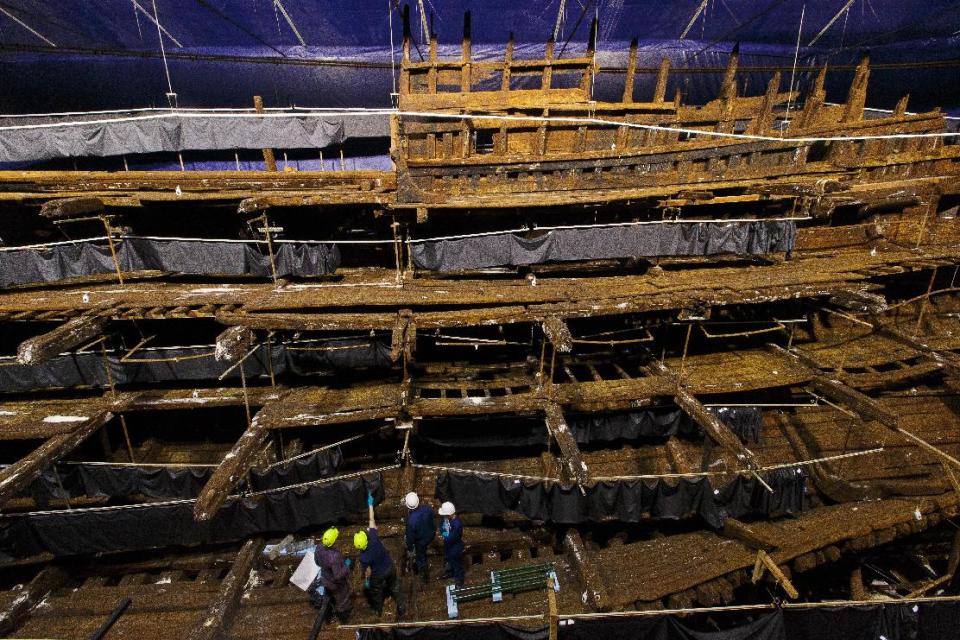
{"x":98,"y":54}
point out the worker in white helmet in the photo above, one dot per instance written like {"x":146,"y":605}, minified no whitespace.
{"x":421,"y":531}
{"x":451,"y":530}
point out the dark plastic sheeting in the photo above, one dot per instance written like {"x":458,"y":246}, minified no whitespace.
{"x":86,"y":369}
{"x":108,"y":481}
{"x":84,"y":531}
{"x":596,"y":243}
{"x":52,"y":264}
{"x":624,"y":500}
{"x":607,"y":427}
{"x":936,"y":621}
{"x":129,"y":133}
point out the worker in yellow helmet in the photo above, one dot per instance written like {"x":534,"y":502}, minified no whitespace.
{"x":380,"y":575}
{"x":332,"y":580}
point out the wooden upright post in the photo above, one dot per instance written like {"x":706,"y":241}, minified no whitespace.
{"x":631,"y":72}
{"x":465,"y":70}
{"x":268,"y":159}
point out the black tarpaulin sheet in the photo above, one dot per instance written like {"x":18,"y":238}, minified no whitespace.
{"x":123,"y":134}
{"x":625,"y":500}
{"x":207,"y":257}
{"x":84,"y":531}
{"x":587,"y":428}
{"x":889,"y":621}
{"x":490,"y":631}
{"x":596,"y":243}
{"x":115,"y":481}
{"x":185,"y":364}
{"x":937,"y":621}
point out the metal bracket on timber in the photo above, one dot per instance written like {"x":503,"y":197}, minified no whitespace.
{"x":765,"y":562}
{"x":569,"y":451}
{"x":586,"y":568}
{"x":231,"y":469}
{"x":49,"y":578}
{"x":232,"y":344}
{"x":70,"y":334}
{"x":21,"y":473}
{"x":558,"y":333}
{"x":71,"y":207}
{"x":218,"y":617}
{"x":404,"y":337}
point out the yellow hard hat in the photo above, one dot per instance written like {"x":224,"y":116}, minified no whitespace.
{"x":330,"y":536}
{"x":360,"y":540}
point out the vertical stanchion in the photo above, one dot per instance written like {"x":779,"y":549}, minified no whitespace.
{"x":113,"y":250}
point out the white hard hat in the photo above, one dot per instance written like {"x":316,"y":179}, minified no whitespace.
{"x":411,"y":500}
{"x":447,"y":509}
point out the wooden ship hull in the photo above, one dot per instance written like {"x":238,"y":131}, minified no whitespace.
{"x":692,"y":432}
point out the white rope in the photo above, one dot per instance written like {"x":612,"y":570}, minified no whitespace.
{"x":47,"y":245}
{"x":52,"y":244}
{"x":793,"y":72}
{"x":603,"y":225}
{"x":501,"y":118}
{"x":163,"y":50}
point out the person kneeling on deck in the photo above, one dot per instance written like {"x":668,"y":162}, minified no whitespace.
{"x":380,"y":576}
{"x":334,"y":571}
{"x":420,"y":533}
{"x":451,"y":530}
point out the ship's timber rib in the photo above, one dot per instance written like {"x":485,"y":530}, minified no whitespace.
{"x":69,"y":207}
{"x":569,"y":451}
{"x":863,"y":405}
{"x":946,"y":359}
{"x":20,"y":474}
{"x":69,"y":335}
{"x":49,"y":578}
{"x":230,"y":471}
{"x":715,"y":429}
{"x":218,"y":617}
{"x":585,"y":564}
{"x":232,"y":344}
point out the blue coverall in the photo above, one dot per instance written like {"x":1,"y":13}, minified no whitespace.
{"x":420,"y":533}
{"x":452,"y":531}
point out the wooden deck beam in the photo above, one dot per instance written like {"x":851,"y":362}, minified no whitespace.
{"x":218,"y":617}
{"x":230,"y":471}
{"x":20,"y":474}
{"x":49,"y":578}
{"x":69,"y":335}
{"x":569,"y":451}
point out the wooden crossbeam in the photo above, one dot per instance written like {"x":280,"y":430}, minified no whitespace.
{"x":558,"y":333}
{"x":216,"y":620}
{"x":946,"y":359}
{"x":765,"y":562}
{"x":586,"y":567}
{"x":20,"y":474}
{"x":230,"y":471}
{"x":69,"y":335}
{"x":70,"y":207}
{"x":49,"y":578}
{"x":569,"y":451}
{"x":232,"y":344}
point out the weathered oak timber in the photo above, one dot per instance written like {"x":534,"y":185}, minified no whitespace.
{"x":70,"y":207}
{"x":558,"y":333}
{"x":20,"y":474}
{"x":49,"y":578}
{"x":218,"y":617}
{"x":232,"y":344}
{"x":569,"y":451}
{"x":230,"y":471}
{"x":585,"y":564}
{"x":70,"y":334}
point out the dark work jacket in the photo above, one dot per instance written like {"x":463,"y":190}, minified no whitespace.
{"x":453,"y":542}
{"x":333,"y":573}
{"x":420,"y":528}
{"x":375,"y":556}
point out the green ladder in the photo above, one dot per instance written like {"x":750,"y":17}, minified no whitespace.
{"x":528,"y":577}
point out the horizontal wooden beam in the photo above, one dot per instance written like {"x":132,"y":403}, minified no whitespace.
{"x":71,"y":207}
{"x":20,"y":474}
